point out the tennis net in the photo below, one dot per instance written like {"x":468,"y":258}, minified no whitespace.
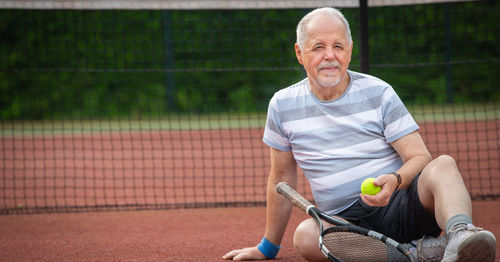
{"x":114,"y":108}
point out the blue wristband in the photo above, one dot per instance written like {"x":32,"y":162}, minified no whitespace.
{"x":267,"y":248}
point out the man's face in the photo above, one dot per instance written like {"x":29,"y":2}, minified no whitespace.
{"x":326,"y":53}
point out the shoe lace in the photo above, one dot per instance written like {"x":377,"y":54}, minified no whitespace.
{"x":430,"y":249}
{"x":468,"y":227}
{"x":459,"y":230}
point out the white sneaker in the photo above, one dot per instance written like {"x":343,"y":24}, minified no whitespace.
{"x":470,"y":243}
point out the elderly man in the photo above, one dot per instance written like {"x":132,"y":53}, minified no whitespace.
{"x":341,"y":127}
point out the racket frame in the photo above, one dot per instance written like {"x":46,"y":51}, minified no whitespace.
{"x":284,"y":189}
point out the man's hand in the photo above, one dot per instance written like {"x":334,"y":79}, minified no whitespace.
{"x":388,"y":183}
{"x":249,"y":253}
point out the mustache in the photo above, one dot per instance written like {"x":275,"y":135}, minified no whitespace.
{"x":328,"y":65}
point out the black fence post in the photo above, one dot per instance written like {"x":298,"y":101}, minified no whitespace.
{"x":169,"y":58}
{"x":365,"y":49}
{"x":449,"y":55}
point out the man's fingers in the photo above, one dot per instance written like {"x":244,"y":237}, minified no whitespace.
{"x":249,"y":253}
{"x":243,"y":256}
{"x":232,"y":254}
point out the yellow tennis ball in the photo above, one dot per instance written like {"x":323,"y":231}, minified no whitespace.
{"x":367,"y":187}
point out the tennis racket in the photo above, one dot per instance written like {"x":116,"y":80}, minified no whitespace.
{"x":346,"y":241}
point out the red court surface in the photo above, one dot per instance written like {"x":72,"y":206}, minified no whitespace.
{"x":171,"y":235}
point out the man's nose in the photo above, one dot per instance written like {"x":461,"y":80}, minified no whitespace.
{"x":329,"y":54}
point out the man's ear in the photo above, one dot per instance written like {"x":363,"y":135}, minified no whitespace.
{"x":298,"y":53}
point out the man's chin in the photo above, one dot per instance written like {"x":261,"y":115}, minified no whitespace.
{"x":329,"y":83}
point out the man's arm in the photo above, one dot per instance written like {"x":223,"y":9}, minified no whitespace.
{"x":412,"y":150}
{"x":283,"y":168}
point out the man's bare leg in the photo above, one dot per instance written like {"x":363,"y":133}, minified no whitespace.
{"x":442,"y":191}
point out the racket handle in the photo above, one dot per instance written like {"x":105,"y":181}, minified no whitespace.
{"x":292,"y":195}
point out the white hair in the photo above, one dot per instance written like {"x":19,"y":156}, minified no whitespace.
{"x":334,"y":13}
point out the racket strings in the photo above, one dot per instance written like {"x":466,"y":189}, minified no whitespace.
{"x":347,"y":246}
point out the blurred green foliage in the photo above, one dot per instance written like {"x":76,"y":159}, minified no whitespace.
{"x":57,"y":64}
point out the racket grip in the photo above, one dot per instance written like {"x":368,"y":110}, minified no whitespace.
{"x":292,"y":195}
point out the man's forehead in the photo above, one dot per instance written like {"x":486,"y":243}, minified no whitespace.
{"x":326,"y":25}
{"x":322,"y":19}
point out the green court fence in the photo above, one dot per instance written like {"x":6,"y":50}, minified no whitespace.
{"x":118,"y":105}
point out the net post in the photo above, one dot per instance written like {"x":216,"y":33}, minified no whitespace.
{"x":365,"y":51}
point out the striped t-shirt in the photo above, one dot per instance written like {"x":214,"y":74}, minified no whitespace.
{"x":339,"y":143}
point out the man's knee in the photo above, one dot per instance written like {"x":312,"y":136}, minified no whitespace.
{"x":443,"y":164}
{"x":442,"y":168}
{"x":304,"y":236}
{"x":305,"y":240}
{"x":446,"y":161}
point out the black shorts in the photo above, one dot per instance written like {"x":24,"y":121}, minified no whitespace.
{"x":403,"y":219}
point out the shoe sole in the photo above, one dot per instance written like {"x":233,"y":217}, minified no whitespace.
{"x":478,"y":247}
